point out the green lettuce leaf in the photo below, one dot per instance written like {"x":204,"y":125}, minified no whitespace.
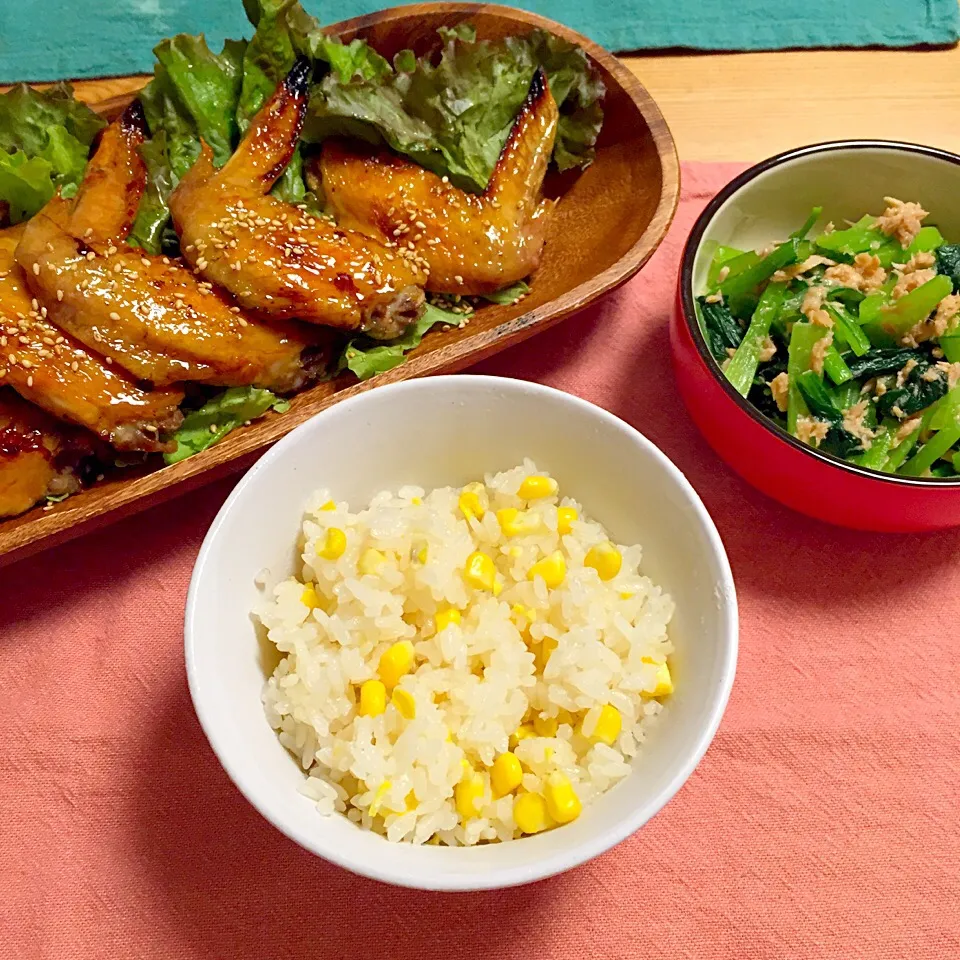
{"x":508,"y":295}
{"x":454,"y":116}
{"x":206,"y":87}
{"x":218,"y":416}
{"x":193,"y":94}
{"x":150,"y":228}
{"x":366,"y":358}
{"x":25,"y":184}
{"x":44,"y":144}
{"x":284,"y":31}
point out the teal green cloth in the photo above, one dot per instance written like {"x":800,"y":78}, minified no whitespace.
{"x":52,"y":39}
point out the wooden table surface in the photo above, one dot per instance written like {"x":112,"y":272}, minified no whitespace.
{"x":746,"y":106}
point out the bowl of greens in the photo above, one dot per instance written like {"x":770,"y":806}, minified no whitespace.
{"x":816,"y":341}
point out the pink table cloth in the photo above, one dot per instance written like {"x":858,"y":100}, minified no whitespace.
{"x":823,"y":822}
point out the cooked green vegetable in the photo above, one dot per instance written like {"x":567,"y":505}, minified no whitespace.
{"x":44,"y":143}
{"x":724,"y":257}
{"x":803,"y":339}
{"x":808,"y":225}
{"x":948,"y":263}
{"x":835,"y":367}
{"x":218,"y":416}
{"x":898,"y":317}
{"x":722,"y":331}
{"x":951,"y":348}
{"x":862,"y":237}
{"x":743,"y":365}
{"x":742,"y":290}
{"x":846,"y":330}
{"x":870,"y":348}
{"x":876,"y":457}
{"x":883,"y":360}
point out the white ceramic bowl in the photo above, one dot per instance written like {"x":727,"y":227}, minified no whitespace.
{"x":435,"y":432}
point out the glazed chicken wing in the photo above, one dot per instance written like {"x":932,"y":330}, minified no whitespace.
{"x":276,"y":258}
{"x":470,"y":243}
{"x":148,"y":314}
{"x":55,"y":372}
{"x":38,"y":456}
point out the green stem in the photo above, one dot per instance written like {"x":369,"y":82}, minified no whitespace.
{"x":835,"y":367}
{"x":891,"y":323}
{"x":743,"y":366}
{"x":802,"y":340}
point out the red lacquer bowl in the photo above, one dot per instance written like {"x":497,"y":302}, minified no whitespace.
{"x":766,"y":203}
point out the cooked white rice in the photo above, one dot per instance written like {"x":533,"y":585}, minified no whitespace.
{"x":474,"y":683}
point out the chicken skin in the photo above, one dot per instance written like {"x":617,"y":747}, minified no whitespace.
{"x":471,"y":244}
{"x":38,"y":456}
{"x":147,"y":314}
{"x":54,"y":371}
{"x":276,"y":258}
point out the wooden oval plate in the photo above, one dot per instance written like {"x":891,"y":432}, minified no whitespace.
{"x":610,"y":220}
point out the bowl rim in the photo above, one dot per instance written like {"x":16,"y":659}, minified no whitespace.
{"x":688,"y":311}
{"x":566,"y":858}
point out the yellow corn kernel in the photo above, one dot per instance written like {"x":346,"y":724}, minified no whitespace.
{"x":411,"y":801}
{"x":608,"y":725}
{"x":328,"y":506}
{"x":563,"y":804}
{"x":505,"y":774}
{"x":444,"y":618}
{"x":468,"y":794}
{"x":553,"y":569}
{"x":626,"y":595}
{"x":545,"y":726}
{"x":663,"y":685}
{"x":416,"y":501}
{"x":565,"y":518}
{"x":370,"y":561}
{"x":317,"y":601}
{"x":395,"y":662}
{"x":420,"y":554}
{"x":516,"y":523}
{"x":472,"y":501}
{"x":535,"y":487}
{"x":605,"y":558}
{"x":334,"y":544}
{"x":378,"y":797}
{"x":530,"y":813}
{"x":405,"y":703}
{"x":541,"y":653}
{"x":524,"y":732}
{"x":519,"y":610}
{"x":497,"y":585}
{"x":373,"y":698}
{"x":480,"y":572}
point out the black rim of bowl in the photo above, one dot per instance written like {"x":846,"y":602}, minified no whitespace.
{"x":689,"y":313}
